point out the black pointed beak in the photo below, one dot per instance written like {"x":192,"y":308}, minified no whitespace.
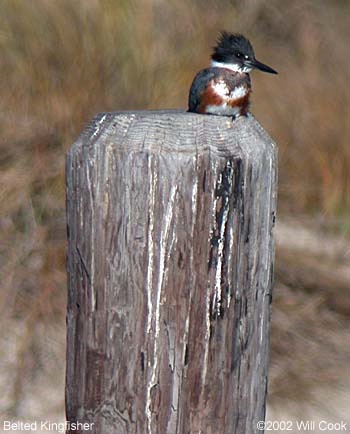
{"x":258,"y":65}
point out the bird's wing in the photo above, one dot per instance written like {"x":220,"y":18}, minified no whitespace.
{"x":199,"y":84}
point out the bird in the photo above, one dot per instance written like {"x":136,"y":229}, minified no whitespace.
{"x":224,"y":88}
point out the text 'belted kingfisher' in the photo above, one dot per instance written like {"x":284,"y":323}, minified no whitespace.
{"x":224,"y":88}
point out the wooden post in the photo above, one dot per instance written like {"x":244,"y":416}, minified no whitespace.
{"x":170,"y":255}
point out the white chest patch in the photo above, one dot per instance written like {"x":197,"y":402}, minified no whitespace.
{"x":221,"y":88}
{"x":238,"y":92}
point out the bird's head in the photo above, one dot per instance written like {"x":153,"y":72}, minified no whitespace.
{"x":234,"y":51}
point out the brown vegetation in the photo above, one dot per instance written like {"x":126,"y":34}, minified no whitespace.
{"x":63,"y":61}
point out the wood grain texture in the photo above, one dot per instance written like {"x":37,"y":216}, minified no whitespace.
{"x":170,"y":266}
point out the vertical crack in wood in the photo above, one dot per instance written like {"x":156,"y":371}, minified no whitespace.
{"x":83,"y":265}
{"x":207,"y":341}
{"x":223,"y":191}
{"x":185,"y":339}
{"x":164,"y":236}
{"x":90,"y":186}
{"x":152,"y":173}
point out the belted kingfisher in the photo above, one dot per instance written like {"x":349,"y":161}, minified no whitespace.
{"x":224,"y":88}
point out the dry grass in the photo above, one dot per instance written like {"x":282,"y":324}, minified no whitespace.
{"x":63,"y":61}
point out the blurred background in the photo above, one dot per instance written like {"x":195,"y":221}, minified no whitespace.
{"x":63,"y":61}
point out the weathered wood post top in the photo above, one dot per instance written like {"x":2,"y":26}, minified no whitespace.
{"x":170,"y":258}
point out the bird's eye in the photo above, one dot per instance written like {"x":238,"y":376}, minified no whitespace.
{"x":238,"y":54}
